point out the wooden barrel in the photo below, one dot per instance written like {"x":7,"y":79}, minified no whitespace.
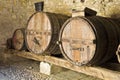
{"x":18,"y":39}
{"x":42,"y":32}
{"x":9,"y":44}
{"x":89,"y":40}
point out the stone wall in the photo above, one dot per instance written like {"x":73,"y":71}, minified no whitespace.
{"x":15,"y":13}
{"x":103,"y":7}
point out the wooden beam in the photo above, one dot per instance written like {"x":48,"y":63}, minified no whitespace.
{"x":99,"y":72}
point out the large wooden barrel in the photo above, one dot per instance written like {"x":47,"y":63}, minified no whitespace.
{"x":18,"y":39}
{"x":89,"y":40}
{"x":42,"y":32}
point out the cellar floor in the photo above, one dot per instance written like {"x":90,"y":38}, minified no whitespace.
{"x":16,"y":68}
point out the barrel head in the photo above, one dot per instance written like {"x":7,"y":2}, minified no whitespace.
{"x":78,"y":40}
{"x":38,"y":33}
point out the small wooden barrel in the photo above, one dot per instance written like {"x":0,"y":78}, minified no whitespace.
{"x":9,"y":44}
{"x":18,"y":39}
{"x":42,"y":32}
{"x":89,"y":40}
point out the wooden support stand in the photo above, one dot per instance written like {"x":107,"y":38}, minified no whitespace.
{"x":99,"y":72}
{"x":86,"y":12}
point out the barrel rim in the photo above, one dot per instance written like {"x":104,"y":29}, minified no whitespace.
{"x":61,"y":46}
{"x":46,"y":13}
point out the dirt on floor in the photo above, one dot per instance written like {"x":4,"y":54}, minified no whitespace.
{"x":17,"y":68}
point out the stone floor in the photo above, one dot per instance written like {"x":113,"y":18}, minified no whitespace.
{"x":17,"y":68}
